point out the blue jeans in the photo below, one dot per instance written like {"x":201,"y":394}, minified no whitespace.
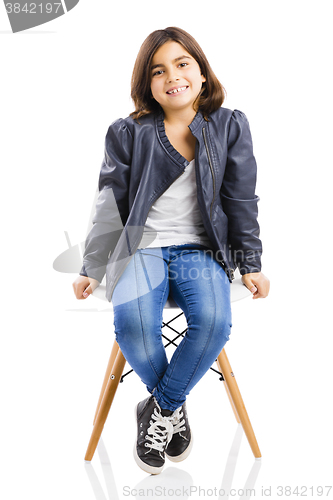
{"x":200,"y":287}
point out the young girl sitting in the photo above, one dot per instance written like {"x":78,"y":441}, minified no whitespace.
{"x":176,"y":214}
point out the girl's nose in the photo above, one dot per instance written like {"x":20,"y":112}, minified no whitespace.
{"x":170,"y":80}
{"x":172,"y":77}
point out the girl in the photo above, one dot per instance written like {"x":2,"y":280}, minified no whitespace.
{"x":176,"y":213}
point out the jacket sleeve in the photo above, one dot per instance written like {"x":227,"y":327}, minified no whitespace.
{"x":112,"y":202}
{"x":238,"y":197}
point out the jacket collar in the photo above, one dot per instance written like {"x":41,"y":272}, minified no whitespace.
{"x":196,"y":123}
{"x":193,"y":126}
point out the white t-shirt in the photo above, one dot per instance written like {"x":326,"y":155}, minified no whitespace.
{"x":175,"y":216}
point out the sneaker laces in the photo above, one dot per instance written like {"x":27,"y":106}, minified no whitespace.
{"x":160,"y":431}
{"x":177,"y":421}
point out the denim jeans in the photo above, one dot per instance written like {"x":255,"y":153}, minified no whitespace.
{"x":200,"y":287}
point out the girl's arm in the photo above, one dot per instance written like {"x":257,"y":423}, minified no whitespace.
{"x":240,"y":204}
{"x":111,"y":208}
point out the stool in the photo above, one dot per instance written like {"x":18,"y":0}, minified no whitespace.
{"x":116,"y":364}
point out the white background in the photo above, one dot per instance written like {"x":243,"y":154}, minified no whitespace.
{"x":62,"y":84}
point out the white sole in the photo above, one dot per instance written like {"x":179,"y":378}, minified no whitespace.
{"x":144,"y":466}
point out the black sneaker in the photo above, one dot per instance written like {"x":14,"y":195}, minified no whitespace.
{"x":154,"y":434}
{"x":181,"y":443}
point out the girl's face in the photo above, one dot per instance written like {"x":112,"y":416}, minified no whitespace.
{"x":176,"y":79}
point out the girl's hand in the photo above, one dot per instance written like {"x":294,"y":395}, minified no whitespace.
{"x":257,"y":283}
{"x":84,"y":286}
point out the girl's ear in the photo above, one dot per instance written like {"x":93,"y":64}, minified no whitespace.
{"x":203,"y":79}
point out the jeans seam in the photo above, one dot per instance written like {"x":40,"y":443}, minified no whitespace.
{"x":196,"y":367}
{"x":160,"y":315}
{"x":145,"y":271}
{"x":209,"y":336}
{"x":141,"y":322}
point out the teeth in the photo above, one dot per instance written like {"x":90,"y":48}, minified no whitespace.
{"x":176,"y":90}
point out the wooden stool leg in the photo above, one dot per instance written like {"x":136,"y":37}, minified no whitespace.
{"x":228,"y":394}
{"x":238,"y":402}
{"x":105,"y":405}
{"x":114,"y":352}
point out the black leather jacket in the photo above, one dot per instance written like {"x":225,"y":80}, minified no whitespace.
{"x":140,"y":164}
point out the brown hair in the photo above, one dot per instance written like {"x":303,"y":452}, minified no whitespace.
{"x":212,"y":93}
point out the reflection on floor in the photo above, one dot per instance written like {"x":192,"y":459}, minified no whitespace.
{"x":173,"y":481}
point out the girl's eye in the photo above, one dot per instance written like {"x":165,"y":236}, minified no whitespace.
{"x":160,"y":71}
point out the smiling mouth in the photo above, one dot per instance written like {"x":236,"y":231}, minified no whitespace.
{"x":177,"y":91}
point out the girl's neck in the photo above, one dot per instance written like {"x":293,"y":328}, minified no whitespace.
{"x":181,"y":118}
{"x":178,"y":132}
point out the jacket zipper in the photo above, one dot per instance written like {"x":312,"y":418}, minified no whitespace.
{"x":211,"y":169}
{"x":232,"y":275}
